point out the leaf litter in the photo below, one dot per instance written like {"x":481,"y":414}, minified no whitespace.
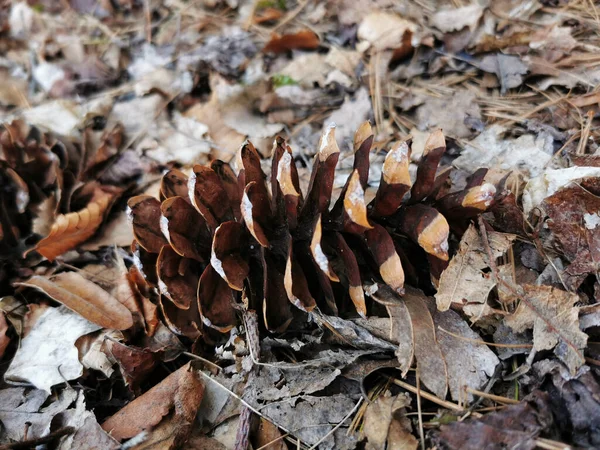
{"x":412,"y":287}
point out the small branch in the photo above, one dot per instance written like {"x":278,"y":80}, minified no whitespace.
{"x":31,"y":443}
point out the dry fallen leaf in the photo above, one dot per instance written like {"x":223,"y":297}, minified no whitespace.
{"x":70,"y":230}
{"x":48,"y":355}
{"x":179,"y":393}
{"x":88,"y":433}
{"x":386,"y":426}
{"x":385,"y":31}
{"x":305,"y":40}
{"x":4,"y":339}
{"x":85,"y":298}
{"x":555,"y":322}
{"x":22,"y":406}
{"x":465,"y":281}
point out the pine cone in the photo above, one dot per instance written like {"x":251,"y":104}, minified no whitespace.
{"x":216,"y":234}
{"x":42,"y":174}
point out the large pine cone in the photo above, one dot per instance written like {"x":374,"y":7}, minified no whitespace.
{"x":215,"y":235}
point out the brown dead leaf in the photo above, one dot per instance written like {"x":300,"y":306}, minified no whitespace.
{"x":268,"y":437}
{"x":85,"y":298}
{"x":135,"y":363}
{"x":302,"y":40}
{"x":180,"y":394}
{"x":574,"y":220}
{"x":513,"y":427}
{"x":70,"y":230}
{"x":555,"y":323}
{"x":4,"y":339}
{"x":465,"y":281}
{"x":385,"y":425}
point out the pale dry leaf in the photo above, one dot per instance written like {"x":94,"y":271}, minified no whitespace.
{"x":181,"y":392}
{"x":455,"y":19}
{"x":469,"y":360}
{"x":48,"y":355}
{"x":84,"y":297}
{"x":555,"y":322}
{"x":350,"y":116}
{"x":528,"y":154}
{"x":383,"y":30}
{"x":450,"y":113}
{"x":509,"y":70}
{"x":381,"y":416}
{"x":226,"y":140}
{"x":467,"y":280}
{"x":312,"y":418}
{"x":62,"y":117}
{"x":70,"y":230}
{"x":88,"y":432}
{"x":22,"y":405}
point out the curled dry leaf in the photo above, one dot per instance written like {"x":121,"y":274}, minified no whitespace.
{"x":181,"y":392}
{"x":70,"y":230}
{"x":551,"y":313}
{"x":302,"y":40}
{"x":85,"y":298}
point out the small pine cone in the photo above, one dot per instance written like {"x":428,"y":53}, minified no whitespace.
{"x":36,"y":166}
{"x":214,"y":234}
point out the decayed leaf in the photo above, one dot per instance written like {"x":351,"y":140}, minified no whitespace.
{"x":22,"y":405}
{"x":88,"y":433}
{"x":555,"y":322}
{"x":573,"y":218}
{"x":135,"y":363}
{"x":385,"y":425}
{"x":181,"y":392}
{"x":469,"y":360}
{"x":314,"y":418}
{"x":550,"y":181}
{"x":513,"y":427}
{"x":85,"y":298}
{"x":48,"y":355}
{"x":305,"y":39}
{"x":441,"y":342}
{"x":70,"y":230}
{"x":464,"y":281}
